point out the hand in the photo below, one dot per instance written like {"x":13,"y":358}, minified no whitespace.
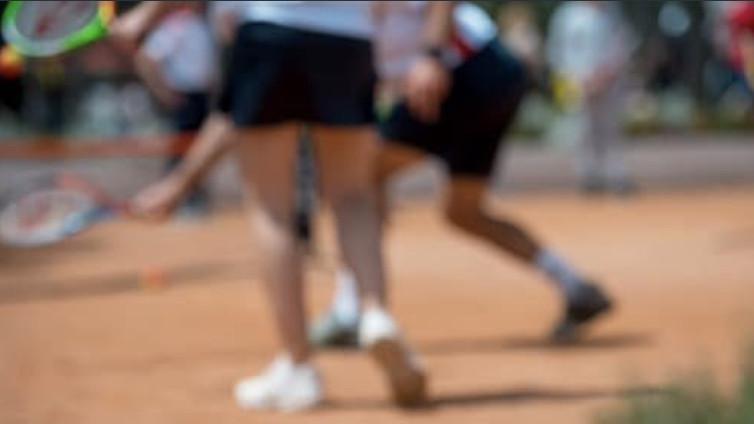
{"x":427,"y":85}
{"x":158,"y":201}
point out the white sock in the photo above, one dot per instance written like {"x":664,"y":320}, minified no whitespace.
{"x":559,"y":271}
{"x":345,"y":304}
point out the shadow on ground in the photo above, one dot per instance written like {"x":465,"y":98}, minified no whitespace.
{"x":57,"y":289}
{"x":736,"y":240}
{"x":481,"y":345}
{"x":509,"y":396}
{"x":17,"y":257}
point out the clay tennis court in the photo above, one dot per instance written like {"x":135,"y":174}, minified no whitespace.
{"x":83,"y":342}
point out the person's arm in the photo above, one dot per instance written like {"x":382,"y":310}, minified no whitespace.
{"x":225,"y":21}
{"x":618,"y":53}
{"x":129,"y":29}
{"x":213,"y":140}
{"x":160,"y":199}
{"x":429,"y":80}
{"x":150,"y":71}
{"x":438,"y":27}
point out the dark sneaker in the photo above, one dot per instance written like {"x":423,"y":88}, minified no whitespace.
{"x":586,"y":305}
{"x":329,"y":332}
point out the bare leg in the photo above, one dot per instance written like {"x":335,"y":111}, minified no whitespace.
{"x":346,"y":158}
{"x":392,"y":159}
{"x":268,"y":157}
{"x":338,"y":326}
{"x":592,"y":149}
{"x":604,"y":162}
{"x":464,"y":210}
{"x":614,"y":165}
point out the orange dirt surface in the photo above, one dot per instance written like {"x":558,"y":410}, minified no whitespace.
{"x":85,"y":341}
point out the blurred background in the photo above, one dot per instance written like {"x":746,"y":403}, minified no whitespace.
{"x":681,"y":77}
{"x":681,"y":95}
{"x":680,"y":91}
{"x":667,"y":145}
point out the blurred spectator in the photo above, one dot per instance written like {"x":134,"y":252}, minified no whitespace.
{"x":178,"y":62}
{"x":740,"y":19}
{"x":519,"y":30}
{"x":725,"y":86}
{"x":680,"y":69}
{"x":588,"y":48}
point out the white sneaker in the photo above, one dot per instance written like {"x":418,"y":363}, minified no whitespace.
{"x":283,"y":386}
{"x":379,"y":334}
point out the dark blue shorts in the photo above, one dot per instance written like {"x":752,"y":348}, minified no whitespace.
{"x":486,"y":93}
{"x":281,"y":74}
{"x":191,"y":112}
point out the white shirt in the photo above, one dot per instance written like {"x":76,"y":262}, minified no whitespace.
{"x":344,"y":18}
{"x":184,"y":47}
{"x":584,"y":38}
{"x":398,"y":35}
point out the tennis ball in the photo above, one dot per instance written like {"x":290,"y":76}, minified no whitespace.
{"x":153,"y":278}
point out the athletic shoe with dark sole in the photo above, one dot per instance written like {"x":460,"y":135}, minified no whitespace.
{"x":329,"y":332}
{"x":582,"y":308}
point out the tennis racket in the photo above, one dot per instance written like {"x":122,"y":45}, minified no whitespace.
{"x":48,"y":28}
{"x":51,"y":208}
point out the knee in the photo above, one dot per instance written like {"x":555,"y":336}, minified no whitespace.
{"x":348,"y":192}
{"x":349,"y":200}
{"x":271,"y":222}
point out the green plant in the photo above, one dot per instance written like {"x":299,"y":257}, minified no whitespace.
{"x":691,"y":401}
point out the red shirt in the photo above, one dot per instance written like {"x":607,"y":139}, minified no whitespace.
{"x":740,"y":19}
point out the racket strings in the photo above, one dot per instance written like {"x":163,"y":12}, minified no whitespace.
{"x":47,"y":28}
{"x":56,"y":19}
{"x":45,"y":216}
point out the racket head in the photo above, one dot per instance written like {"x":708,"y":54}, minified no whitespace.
{"x":47,"y":210}
{"x":48,"y":28}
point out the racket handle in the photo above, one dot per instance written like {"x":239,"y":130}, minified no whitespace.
{"x":74,"y":182}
